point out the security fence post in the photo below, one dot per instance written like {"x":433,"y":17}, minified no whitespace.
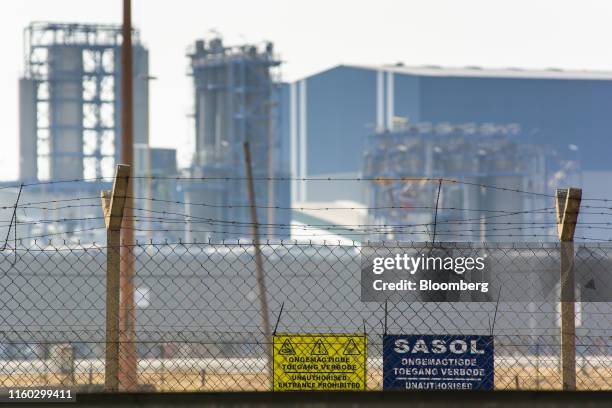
{"x":568,"y":206}
{"x":113,"y":203}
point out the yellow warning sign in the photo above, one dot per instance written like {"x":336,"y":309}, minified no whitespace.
{"x":319,"y":362}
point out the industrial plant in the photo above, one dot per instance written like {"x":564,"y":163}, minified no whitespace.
{"x":70,"y":101}
{"x":69,"y":117}
{"x":236,"y":90}
{"x":366,"y":227}
{"x":70,"y":107}
{"x":345,"y":123}
{"x":331,"y":114}
{"x":330,"y":117}
{"x":403,"y":164}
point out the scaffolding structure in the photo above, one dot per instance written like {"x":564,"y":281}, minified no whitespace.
{"x":236,"y":91}
{"x":407,"y":160}
{"x":70,"y":104}
{"x":70,"y":115}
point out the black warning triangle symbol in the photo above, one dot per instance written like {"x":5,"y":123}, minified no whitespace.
{"x":351,"y":349}
{"x":287,"y":349}
{"x":590,"y":284}
{"x":319,"y":349}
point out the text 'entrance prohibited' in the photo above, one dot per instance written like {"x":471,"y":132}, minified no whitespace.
{"x":319,"y":362}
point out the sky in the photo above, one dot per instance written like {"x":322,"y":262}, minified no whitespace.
{"x":313,"y":35}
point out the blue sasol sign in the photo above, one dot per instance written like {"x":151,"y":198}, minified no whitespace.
{"x":444,"y":362}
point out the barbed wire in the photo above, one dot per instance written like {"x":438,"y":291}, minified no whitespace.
{"x":377,"y":179}
{"x":191,"y":219}
{"x":314,"y":229}
{"x":70,"y":232}
{"x":380,"y":179}
{"x":78,"y":246}
{"x":59,"y":200}
{"x":34,"y":205}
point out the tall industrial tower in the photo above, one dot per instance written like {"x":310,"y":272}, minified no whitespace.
{"x":70,"y":102}
{"x":236,"y":100}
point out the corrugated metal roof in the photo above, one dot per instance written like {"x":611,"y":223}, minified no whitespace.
{"x":473,"y":71}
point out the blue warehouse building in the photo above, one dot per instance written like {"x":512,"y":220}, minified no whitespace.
{"x":329,"y":115}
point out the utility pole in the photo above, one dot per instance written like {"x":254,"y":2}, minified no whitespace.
{"x":113,"y":203}
{"x":129,"y":360}
{"x":263,"y":299}
{"x":568,"y":206}
{"x":271,"y":164}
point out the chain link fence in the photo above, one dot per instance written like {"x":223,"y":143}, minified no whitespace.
{"x":198,"y":315}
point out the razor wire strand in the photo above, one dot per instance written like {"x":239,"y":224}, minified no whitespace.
{"x":379,"y":179}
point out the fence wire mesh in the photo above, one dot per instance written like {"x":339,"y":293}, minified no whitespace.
{"x":198,"y":316}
